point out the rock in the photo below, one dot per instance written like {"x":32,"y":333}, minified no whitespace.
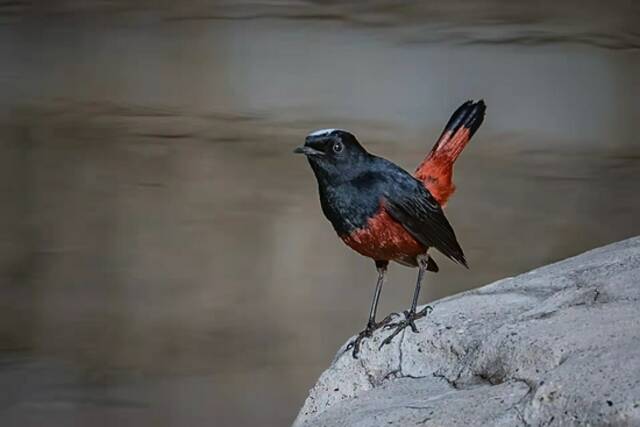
{"x":559,"y":345}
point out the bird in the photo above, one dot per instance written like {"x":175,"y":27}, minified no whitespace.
{"x":387,"y":214}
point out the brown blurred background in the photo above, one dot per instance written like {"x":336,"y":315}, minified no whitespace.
{"x":163,"y":257}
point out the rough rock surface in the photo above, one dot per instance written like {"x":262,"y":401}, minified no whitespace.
{"x":559,"y":345}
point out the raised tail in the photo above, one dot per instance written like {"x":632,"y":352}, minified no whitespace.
{"x":436,"y":170}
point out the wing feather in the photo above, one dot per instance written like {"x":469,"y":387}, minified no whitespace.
{"x":409,"y":203}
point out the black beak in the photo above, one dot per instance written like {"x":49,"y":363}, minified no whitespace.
{"x":308,"y":151}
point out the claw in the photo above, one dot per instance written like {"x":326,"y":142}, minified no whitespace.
{"x":355,"y":344}
{"x":388,"y":339}
{"x":409,"y":320}
{"x":391,"y":325}
{"x":367,"y":333}
{"x":424,"y":312}
{"x":384,"y":322}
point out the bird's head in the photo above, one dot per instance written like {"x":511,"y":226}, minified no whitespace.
{"x":333,"y":153}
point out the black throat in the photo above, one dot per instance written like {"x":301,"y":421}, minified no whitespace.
{"x":349,"y":197}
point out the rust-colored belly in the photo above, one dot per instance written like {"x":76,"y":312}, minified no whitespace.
{"x":383,"y":238}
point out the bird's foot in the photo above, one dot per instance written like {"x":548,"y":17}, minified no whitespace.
{"x":409,"y":321}
{"x":367,"y":333}
{"x":387,"y":320}
{"x":355,"y":344}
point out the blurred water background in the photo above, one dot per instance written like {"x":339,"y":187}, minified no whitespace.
{"x":163,"y":257}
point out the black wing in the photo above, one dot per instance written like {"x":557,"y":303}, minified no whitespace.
{"x":409,"y":203}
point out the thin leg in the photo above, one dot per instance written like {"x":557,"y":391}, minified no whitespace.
{"x":381,"y":266}
{"x":416,"y":292}
{"x":411,"y":316}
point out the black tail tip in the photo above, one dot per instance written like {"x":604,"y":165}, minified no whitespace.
{"x":462,"y":261}
{"x":469,"y":115}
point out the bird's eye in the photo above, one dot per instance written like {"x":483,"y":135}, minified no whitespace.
{"x":337,"y":147}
